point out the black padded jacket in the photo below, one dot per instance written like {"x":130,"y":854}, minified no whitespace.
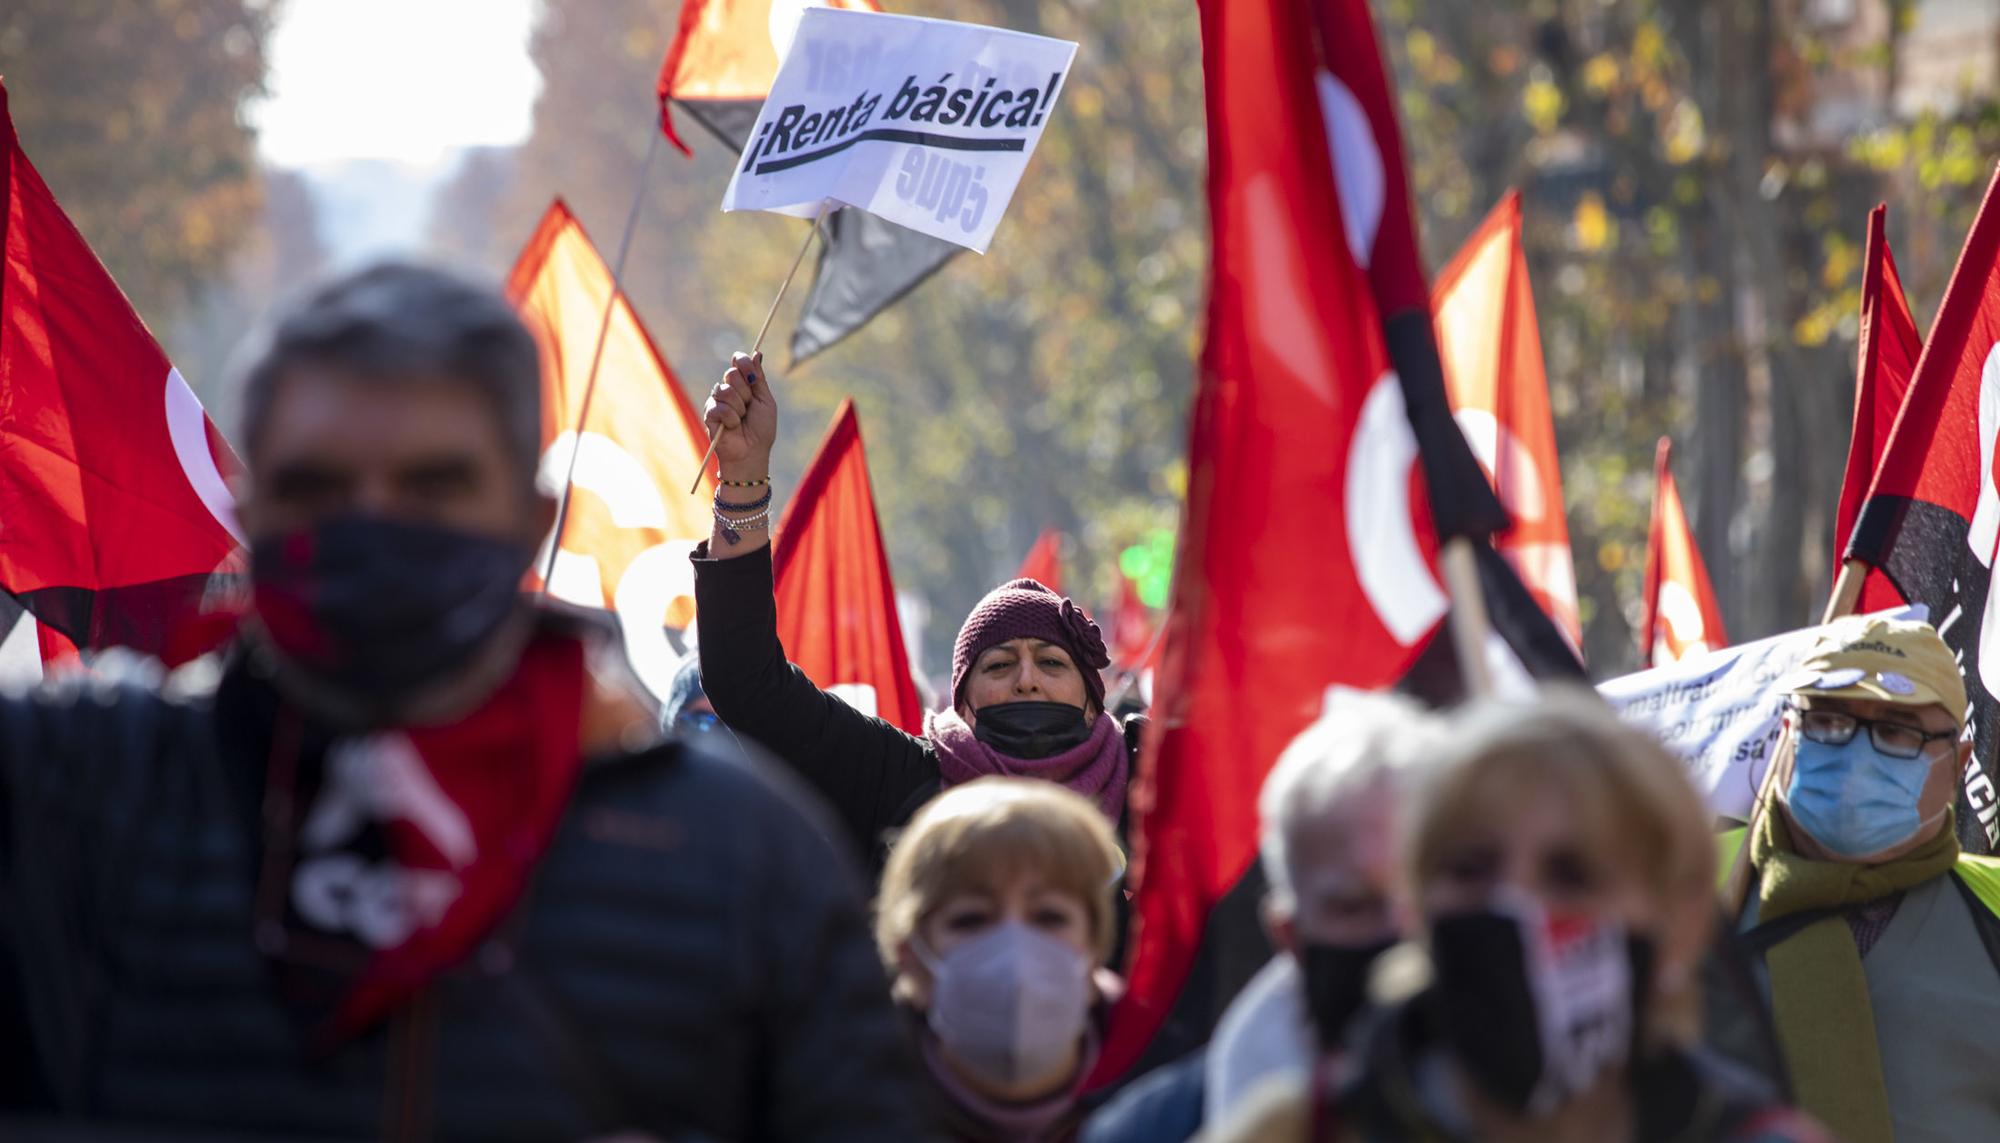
{"x":692,"y":961}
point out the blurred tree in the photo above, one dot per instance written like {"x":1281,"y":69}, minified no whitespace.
{"x":1043,"y":385}
{"x":463,"y":213}
{"x":133,"y":112}
{"x":281,"y":251}
{"x":1696,"y":177}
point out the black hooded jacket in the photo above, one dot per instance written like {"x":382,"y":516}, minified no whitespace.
{"x":873,"y":774}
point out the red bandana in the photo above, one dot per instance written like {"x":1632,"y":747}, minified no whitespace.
{"x":411,"y":845}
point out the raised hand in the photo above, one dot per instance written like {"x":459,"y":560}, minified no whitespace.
{"x":742,"y":418}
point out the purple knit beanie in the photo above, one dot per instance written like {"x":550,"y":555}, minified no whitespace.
{"x":1024,"y":609}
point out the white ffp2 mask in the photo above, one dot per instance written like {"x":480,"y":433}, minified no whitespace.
{"x":1008,"y":1004}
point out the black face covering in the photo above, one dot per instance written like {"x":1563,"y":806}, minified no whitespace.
{"x":1031,"y":730}
{"x":372,"y":609}
{"x":1337,"y":984}
{"x":1536,"y":1010}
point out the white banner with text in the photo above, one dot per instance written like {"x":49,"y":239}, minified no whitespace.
{"x":927,"y":123}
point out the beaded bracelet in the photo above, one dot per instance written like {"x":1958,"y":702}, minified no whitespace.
{"x":759,"y":514}
{"x":758,"y":483}
{"x":722,"y":505}
{"x":731,"y":528}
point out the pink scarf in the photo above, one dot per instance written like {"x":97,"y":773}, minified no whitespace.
{"x":1097,"y":769}
{"x":1052,"y":1116}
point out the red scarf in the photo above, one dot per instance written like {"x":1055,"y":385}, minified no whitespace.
{"x":411,"y":845}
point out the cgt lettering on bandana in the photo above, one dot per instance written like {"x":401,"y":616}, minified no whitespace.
{"x":410,"y":846}
{"x":340,"y":886}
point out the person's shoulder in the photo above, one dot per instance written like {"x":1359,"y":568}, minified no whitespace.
{"x":1165,"y":1103}
{"x":1748,"y":1108}
{"x":725,"y":783}
{"x":1277,"y":1109}
{"x":1275,"y":994}
{"x":1779,"y":1124}
{"x":120,"y":696}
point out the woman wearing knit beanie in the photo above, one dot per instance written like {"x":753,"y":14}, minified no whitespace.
{"x":1027,"y":687}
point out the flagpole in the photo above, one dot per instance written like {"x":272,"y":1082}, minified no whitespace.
{"x":769,"y":315}
{"x":1469,"y":623}
{"x":597,"y":356}
{"x":1846,"y":590}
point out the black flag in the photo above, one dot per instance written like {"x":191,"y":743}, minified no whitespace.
{"x":866,"y":265}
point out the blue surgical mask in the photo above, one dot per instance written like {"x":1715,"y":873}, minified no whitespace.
{"x":1854,"y":800}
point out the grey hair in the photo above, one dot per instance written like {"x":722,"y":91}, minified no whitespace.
{"x":398,"y":323}
{"x":1360,"y":741}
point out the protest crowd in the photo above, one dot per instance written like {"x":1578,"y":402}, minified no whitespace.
{"x":341,"y":812}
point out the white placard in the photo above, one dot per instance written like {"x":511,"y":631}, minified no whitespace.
{"x":927,"y":123}
{"x":1720,"y":711}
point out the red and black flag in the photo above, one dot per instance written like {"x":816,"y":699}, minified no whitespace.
{"x":718,"y":71}
{"x":836,"y":600}
{"x":1309,"y":554}
{"x":1351,"y":87}
{"x":117,"y":527}
{"x":1929,"y":526}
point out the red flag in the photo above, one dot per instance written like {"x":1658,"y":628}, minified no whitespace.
{"x":630,"y":523}
{"x":1299,"y":568}
{"x":1681,"y":617}
{"x":1500,"y":392}
{"x":1132,"y":640}
{"x":112,"y":478}
{"x":1889,"y":346}
{"x":1932,"y":516}
{"x":1044,"y":562}
{"x":836,"y":602}
{"x":723,"y":59}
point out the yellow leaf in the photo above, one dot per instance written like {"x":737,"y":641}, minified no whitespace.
{"x":1600,"y":75}
{"x":1685,"y":135}
{"x":1649,"y":47}
{"x":1592,"y":222}
{"x":1542,"y":102}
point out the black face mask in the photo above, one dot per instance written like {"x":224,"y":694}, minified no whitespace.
{"x":1501,"y":974}
{"x":1337,"y":984}
{"x":372,"y":609}
{"x":1031,"y":730}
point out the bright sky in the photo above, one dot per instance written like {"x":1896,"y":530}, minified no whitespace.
{"x":396,"y":79}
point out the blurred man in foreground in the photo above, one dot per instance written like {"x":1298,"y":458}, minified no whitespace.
{"x":413,"y":863}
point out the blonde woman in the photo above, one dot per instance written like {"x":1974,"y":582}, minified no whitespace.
{"x":1560,"y":870}
{"x":995,"y":918}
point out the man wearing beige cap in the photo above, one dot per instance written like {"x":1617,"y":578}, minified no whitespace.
{"x":1877,"y":936}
